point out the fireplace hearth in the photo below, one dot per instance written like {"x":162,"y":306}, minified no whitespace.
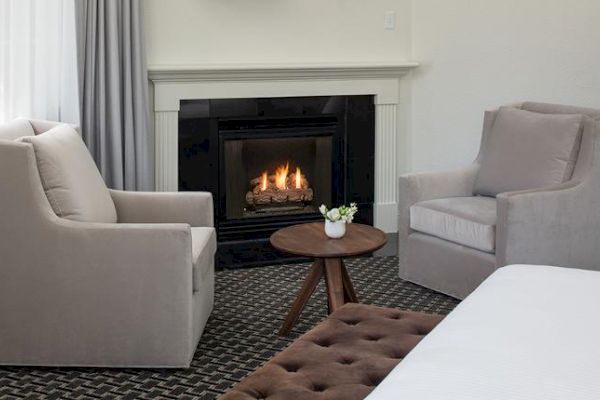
{"x":271,"y":163}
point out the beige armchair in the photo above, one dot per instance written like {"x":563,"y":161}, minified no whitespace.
{"x":451,"y":239}
{"x":135,"y":293}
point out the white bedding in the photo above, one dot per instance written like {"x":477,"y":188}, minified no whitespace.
{"x":527,"y":333}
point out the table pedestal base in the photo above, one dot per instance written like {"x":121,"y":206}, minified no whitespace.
{"x":339,"y":289}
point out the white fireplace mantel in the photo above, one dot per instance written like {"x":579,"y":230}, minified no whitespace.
{"x":171,"y":84}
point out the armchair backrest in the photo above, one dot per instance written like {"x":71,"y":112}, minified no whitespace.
{"x":71,"y":180}
{"x":23,"y":203}
{"x":22,"y":197}
{"x":20,"y":127}
{"x":15,"y":129}
{"x":590,"y":132}
{"x":24,"y":207}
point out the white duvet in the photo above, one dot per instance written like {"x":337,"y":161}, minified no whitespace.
{"x":527,"y":333}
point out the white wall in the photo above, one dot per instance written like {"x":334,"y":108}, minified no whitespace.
{"x":477,"y":54}
{"x":474,"y":54}
{"x":192,"y":32}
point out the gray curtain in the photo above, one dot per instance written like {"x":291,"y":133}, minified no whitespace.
{"x":114,"y":91}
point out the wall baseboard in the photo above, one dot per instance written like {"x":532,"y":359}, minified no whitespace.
{"x":390,"y":248}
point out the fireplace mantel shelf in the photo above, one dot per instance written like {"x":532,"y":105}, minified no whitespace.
{"x":233,"y":72}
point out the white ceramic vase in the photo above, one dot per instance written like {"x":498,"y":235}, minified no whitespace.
{"x":335,"y":230}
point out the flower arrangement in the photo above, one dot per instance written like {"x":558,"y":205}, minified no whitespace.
{"x":341,"y":213}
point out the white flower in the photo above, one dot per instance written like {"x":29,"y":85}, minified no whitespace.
{"x":342,"y":213}
{"x":333,"y":215}
{"x":323,"y":209}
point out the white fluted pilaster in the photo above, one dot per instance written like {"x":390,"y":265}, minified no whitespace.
{"x":386,"y":167}
{"x":166,"y":132}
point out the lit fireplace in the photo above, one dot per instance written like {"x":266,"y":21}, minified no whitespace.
{"x":271,"y":162}
{"x":281,"y":191}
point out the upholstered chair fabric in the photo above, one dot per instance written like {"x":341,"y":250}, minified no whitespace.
{"x":135,"y":293}
{"x":470,"y":221}
{"x":446,"y":244}
{"x":528,"y":150}
{"x":204,"y":247}
{"x":70,"y":178}
{"x":16,"y":129}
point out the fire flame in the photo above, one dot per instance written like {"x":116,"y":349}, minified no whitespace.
{"x":298,"y":178}
{"x":281,"y":176}
{"x":264,"y":180}
{"x":283,"y":179}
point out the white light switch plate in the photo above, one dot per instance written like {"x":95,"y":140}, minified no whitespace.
{"x":389,"y":20}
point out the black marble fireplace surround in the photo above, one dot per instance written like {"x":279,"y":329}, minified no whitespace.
{"x":224,"y":145}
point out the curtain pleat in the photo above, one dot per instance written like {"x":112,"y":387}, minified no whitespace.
{"x":114,"y":91}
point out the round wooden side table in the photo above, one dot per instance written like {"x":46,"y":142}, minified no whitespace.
{"x":309,"y":240}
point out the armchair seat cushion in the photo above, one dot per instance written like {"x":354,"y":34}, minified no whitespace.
{"x":204,"y":246}
{"x":469,"y":221}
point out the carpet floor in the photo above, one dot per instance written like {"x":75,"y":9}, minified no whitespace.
{"x":240,"y":336}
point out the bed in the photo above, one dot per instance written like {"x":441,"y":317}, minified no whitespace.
{"x":527,"y":333}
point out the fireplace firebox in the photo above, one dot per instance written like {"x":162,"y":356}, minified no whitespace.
{"x":276,"y":173}
{"x":271,"y":163}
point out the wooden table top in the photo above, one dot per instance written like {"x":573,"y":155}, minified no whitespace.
{"x":309,"y":240}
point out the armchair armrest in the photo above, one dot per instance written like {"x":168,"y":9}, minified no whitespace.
{"x":148,"y":255}
{"x":193,"y":208}
{"x":422,"y":186}
{"x":436,"y":185}
{"x":551,"y":226}
{"x":101,"y":287}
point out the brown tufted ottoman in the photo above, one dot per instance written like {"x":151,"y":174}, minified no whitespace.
{"x":342,"y":358}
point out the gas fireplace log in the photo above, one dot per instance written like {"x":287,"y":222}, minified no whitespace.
{"x":260,"y":198}
{"x":256,"y":183}
{"x":297,"y":195}
{"x":277,"y":196}
{"x":277,"y":191}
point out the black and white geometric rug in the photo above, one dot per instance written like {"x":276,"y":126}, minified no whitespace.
{"x":240,"y":336}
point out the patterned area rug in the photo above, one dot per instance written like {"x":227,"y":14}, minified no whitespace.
{"x":241,"y":335}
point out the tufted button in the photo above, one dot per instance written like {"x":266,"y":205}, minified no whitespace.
{"x":367,"y":382}
{"x":376,"y":381}
{"x":290,"y":368}
{"x":323,"y":343}
{"x":319,"y":388}
{"x":346,"y":362}
{"x":261,"y":396}
{"x":352,"y":323}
